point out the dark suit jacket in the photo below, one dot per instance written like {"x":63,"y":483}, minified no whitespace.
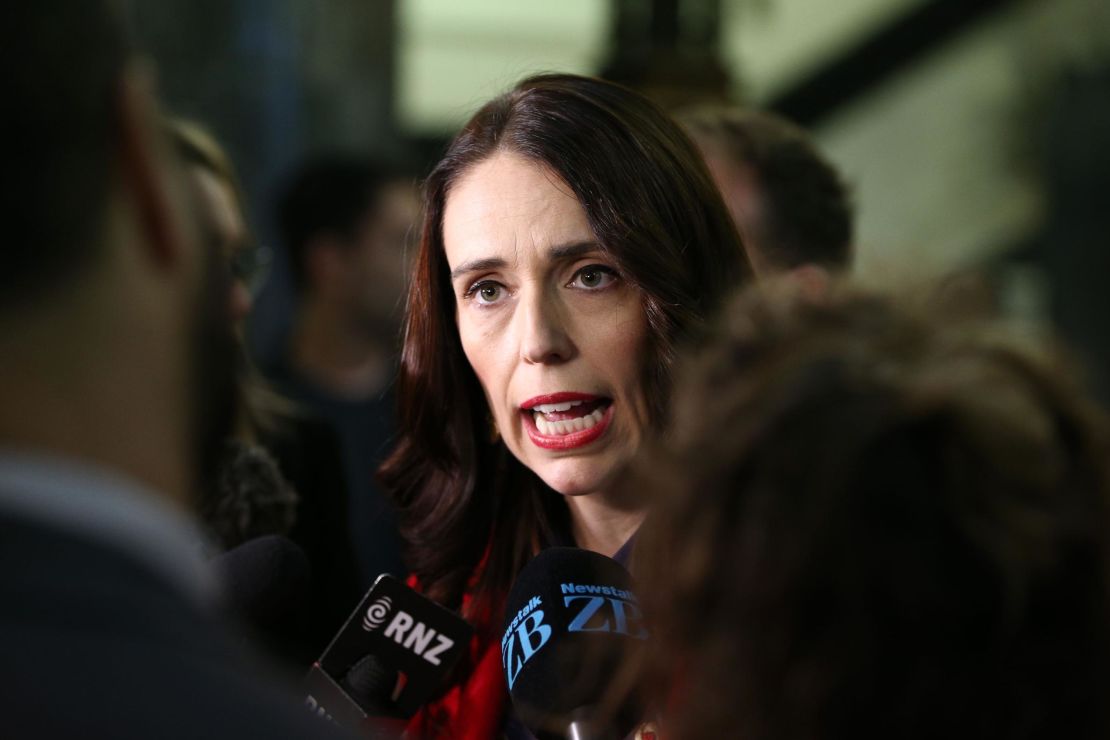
{"x":96,"y":644}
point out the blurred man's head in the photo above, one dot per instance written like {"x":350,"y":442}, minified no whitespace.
{"x":64,"y":74}
{"x":345,"y":222}
{"x":789,"y":203}
{"x":107,"y":316}
{"x":875,"y":520}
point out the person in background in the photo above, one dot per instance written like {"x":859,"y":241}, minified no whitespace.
{"x":873,"y":519}
{"x":116,"y":394}
{"x":572,"y":240}
{"x":345,"y":222}
{"x":790,"y":204}
{"x":281,"y":472}
{"x":237,"y":510}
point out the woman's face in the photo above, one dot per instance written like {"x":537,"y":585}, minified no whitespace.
{"x":226,"y":226}
{"x":555,"y":335}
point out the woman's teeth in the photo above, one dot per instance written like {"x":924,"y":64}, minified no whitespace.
{"x":551,"y":408}
{"x":566,"y":426}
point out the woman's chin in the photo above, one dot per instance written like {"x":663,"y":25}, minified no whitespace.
{"x":579,"y":472}
{"x":577,"y":478}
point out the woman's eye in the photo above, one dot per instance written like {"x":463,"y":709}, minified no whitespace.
{"x":487,"y":292}
{"x":594,"y":277}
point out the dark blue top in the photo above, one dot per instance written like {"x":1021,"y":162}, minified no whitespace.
{"x":365,"y":428}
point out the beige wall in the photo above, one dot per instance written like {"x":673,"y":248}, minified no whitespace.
{"x":938,"y":156}
{"x":454,"y":54}
{"x":941,"y":157}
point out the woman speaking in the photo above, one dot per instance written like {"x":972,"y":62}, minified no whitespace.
{"x":572,"y":236}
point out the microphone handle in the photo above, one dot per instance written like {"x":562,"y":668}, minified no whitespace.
{"x":582,"y":730}
{"x":584,"y":726}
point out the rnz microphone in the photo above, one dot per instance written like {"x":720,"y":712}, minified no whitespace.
{"x":388,"y":660}
{"x":570,"y":620}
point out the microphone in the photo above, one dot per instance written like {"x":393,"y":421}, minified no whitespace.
{"x":389,"y":659}
{"x":265,"y":581}
{"x":570,"y":619}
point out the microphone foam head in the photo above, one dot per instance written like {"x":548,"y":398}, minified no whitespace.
{"x":570,"y":619}
{"x":264,"y":580}
{"x":370,"y":682}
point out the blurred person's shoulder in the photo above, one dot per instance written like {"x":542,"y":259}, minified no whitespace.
{"x":98,"y":639}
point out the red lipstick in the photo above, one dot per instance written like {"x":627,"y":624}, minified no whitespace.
{"x":571,"y":440}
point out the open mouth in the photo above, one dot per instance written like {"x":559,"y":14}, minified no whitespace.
{"x":566,"y":420}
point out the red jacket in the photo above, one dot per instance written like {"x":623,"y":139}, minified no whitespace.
{"x":474,"y":708}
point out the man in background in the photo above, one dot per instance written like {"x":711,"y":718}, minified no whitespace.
{"x":345,"y":222}
{"x":116,"y":390}
{"x":788,"y":201}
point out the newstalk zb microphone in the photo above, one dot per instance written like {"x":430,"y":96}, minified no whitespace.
{"x":571,"y":617}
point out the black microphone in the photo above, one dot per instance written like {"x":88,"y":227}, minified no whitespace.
{"x":389,"y":659}
{"x":570,"y":620}
{"x":265,"y":581}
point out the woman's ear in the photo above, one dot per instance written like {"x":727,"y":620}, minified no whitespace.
{"x":150,"y":178}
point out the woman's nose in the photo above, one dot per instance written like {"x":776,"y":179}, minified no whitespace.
{"x":544,"y":335}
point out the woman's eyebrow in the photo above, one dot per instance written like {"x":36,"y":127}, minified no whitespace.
{"x":572,"y":250}
{"x":568,"y":251}
{"x":487,"y":263}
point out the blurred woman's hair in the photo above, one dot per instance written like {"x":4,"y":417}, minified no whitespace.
{"x":262,"y":409}
{"x":195,"y":145}
{"x":653,"y":208}
{"x":875,"y":520}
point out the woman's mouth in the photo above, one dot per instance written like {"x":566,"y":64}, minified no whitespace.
{"x":566,"y":420}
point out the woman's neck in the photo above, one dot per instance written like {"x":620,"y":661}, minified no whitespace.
{"x":602,"y":525}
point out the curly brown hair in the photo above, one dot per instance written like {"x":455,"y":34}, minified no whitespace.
{"x":873,"y":521}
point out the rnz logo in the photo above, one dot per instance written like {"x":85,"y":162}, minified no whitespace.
{"x":417,"y":637}
{"x":376,"y":614}
{"x":316,"y":708}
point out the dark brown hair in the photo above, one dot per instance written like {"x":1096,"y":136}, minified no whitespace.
{"x":874,"y":521}
{"x":328,"y":195}
{"x":652,"y":206}
{"x":806,"y":215}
